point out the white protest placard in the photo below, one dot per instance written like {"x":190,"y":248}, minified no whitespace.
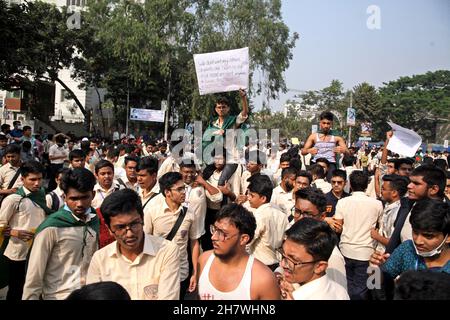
{"x":222,"y":71}
{"x":445,"y":144}
{"x":404,"y":141}
{"x":146,"y":115}
{"x":314,"y":128}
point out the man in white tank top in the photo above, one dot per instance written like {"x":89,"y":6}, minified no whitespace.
{"x":246,"y":277}
{"x":324,"y":144}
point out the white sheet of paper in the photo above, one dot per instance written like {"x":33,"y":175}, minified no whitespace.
{"x":404,"y":141}
{"x":222,"y":71}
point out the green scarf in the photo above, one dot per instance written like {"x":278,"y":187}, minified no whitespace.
{"x":228,"y":123}
{"x":64,"y":219}
{"x":37,"y":197}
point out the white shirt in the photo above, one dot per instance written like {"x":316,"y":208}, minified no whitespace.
{"x":56,"y":151}
{"x":284,"y":200}
{"x":101,"y":194}
{"x":271,"y":223}
{"x":153,"y":275}
{"x":196,"y":203}
{"x":360,"y":214}
{"x":321,"y":289}
{"x":322,"y":185}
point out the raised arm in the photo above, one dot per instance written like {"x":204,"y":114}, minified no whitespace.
{"x":384,"y":154}
{"x":243,"y":95}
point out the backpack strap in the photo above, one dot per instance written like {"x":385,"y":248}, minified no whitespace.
{"x":177,"y":224}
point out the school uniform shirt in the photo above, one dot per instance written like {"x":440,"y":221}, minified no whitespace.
{"x":321,"y":289}
{"x":360,"y":214}
{"x":125,"y":183}
{"x":145,"y":199}
{"x":101,"y":194}
{"x":387,"y":220}
{"x":159,"y":221}
{"x":284,"y":200}
{"x":234,"y":182}
{"x":22,"y":214}
{"x":7,"y":173}
{"x":271,"y":223}
{"x":168,"y":165}
{"x":56,"y":151}
{"x":153,"y":275}
{"x":59,"y":261}
{"x":196,"y":203}
{"x":322,"y":185}
{"x":49,"y":200}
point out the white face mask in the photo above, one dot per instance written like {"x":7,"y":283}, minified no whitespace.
{"x":433,"y":252}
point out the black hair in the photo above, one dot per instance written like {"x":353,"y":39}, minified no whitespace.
{"x":431,"y":215}
{"x":401,"y":161}
{"x":398,"y":183}
{"x":105,"y":290}
{"x":359,"y":181}
{"x":80,"y":179}
{"x":313,"y":195}
{"x":76,"y":154}
{"x":432,"y":175}
{"x":288,"y":171}
{"x":123,"y":201}
{"x":317,"y":170}
{"x":316,"y":236}
{"x":295,"y":163}
{"x":440,"y":163}
{"x":62,"y":171}
{"x":242,"y":219}
{"x":324,"y":160}
{"x":261,"y":185}
{"x":427,"y":160}
{"x":25,"y":128}
{"x":187,"y":163}
{"x":285,"y":157}
{"x":168,"y":180}
{"x":12,"y":148}
{"x":306,"y":174}
{"x":326,"y":115}
{"x":31,"y":166}
{"x":60,"y":139}
{"x":26,"y":145}
{"x":348,"y":160}
{"x":222,"y":100}
{"x":3,"y":137}
{"x":150,"y":164}
{"x":422,"y":285}
{"x":103,"y":164}
{"x":131,"y":158}
{"x":339,"y":173}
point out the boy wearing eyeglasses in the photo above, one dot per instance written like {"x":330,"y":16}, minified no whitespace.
{"x":161,"y":217}
{"x":305,"y":253}
{"x":246,"y":278}
{"x":147,"y":266}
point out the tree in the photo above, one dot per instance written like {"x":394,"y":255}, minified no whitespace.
{"x":418,"y":102}
{"x":366,"y":101}
{"x":38,"y":45}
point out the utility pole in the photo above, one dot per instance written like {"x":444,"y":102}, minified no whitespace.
{"x":128,"y":108}
{"x":167,"y":113}
{"x":350,"y":127}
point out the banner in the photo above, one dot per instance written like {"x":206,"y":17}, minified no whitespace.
{"x":351,"y":116}
{"x":146,"y":115}
{"x":366,"y":129}
{"x":222,"y":71}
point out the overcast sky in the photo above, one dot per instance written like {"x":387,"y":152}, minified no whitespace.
{"x":336,"y":42}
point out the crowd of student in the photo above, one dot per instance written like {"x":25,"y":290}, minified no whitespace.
{"x":133,"y":220}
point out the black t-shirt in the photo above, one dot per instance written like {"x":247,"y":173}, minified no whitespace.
{"x":332,"y":201}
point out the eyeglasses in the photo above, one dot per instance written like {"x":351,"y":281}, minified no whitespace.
{"x":298,"y":212}
{"x":180,"y":189}
{"x":122,"y":229}
{"x":220,"y":234}
{"x":289,"y":263}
